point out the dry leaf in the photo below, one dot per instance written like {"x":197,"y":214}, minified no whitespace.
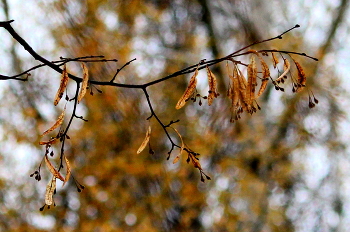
{"x":301,"y":75}
{"x":63,"y":85}
{"x":53,"y":169}
{"x":252,"y":75}
{"x":68,"y":171}
{"x":58,"y":122}
{"x":84,"y":82}
{"x":145,"y":141}
{"x":274,"y":59}
{"x":182,"y":144}
{"x":51,"y":141}
{"x":286,"y":68}
{"x":189,"y":90}
{"x":212,"y":86}
{"x":176,"y":159}
{"x":50,"y":189}
{"x":265,"y":78}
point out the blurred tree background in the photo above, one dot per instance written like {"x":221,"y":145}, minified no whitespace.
{"x":283,"y":169}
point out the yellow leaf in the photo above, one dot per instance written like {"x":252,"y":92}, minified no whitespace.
{"x":84,"y":82}
{"x":145,"y":141}
{"x":63,"y":85}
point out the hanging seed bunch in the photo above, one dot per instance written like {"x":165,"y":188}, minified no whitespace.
{"x":247,"y":82}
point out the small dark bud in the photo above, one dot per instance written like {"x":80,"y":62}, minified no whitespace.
{"x":205,"y":97}
{"x":282,"y":89}
{"x":79,"y":190}
{"x":67,"y":98}
{"x":51,"y":153}
{"x":188,"y":160}
{"x":31,"y":175}
{"x":279,"y":37}
{"x":315,"y":100}
{"x":297,"y":25}
{"x":276,"y":87}
{"x":151,"y":152}
{"x":67,"y":137}
{"x":200,"y":102}
{"x":202,"y":179}
{"x":42,"y":208}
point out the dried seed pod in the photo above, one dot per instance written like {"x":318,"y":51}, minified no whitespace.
{"x":50,"y":189}
{"x":84,"y":82}
{"x":252,"y":82}
{"x":212,"y":81}
{"x":58,"y":122}
{"x":176,"y":159}
{"x":189,"y":91}
{"x":182,"y":145}
{"x":286,"y":68}
{"x":63,"y":85}
{"x":68,"y":168}
{"x":53,"y":169}
{"x":274,"y":59}
{"x":301,"y":76}
{"x":145,"y":141}
{"x":51,"y":141}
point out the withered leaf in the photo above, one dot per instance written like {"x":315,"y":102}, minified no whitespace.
{"x":84,"y":82}
{"x":286,"y":68}
{"x":274,"y":59}
{"x":145,"y":141}
{"x":51,"y":141}
{"x":50,"y":189}
{"x":68,"y":168}
{"x":176,"y":159}
{"x":63,"y":85}
{"x":58,"y":122}
{"x":301,"y":75}
{"x":252,"y":75}
{"x":212,"y":81}
{"x":189,"y":90}
{"x":182,"y":145}
{"x":53,"y":169}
